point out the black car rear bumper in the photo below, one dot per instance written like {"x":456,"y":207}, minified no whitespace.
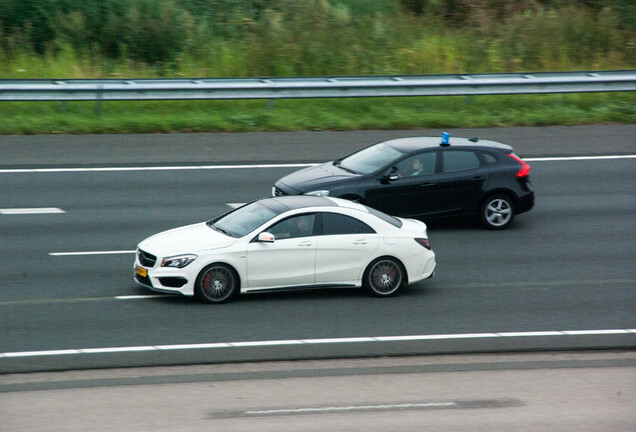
{"x":525,"y":203}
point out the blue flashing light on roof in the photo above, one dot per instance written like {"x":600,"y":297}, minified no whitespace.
{"x":445,"y":139}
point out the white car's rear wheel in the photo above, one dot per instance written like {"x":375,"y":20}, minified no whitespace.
{"x":384,"y":277}
{"x":216,"y":283}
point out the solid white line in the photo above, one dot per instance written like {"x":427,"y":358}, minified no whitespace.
{"x":282,"y":165}
{"x":559,"y":333}
{"x":116,"y":349}
{"x":153,"y":168}
{"x":578,"y":158}
{"x":24,"y":211}
{"x":530,"y":334}
{"x":114,"y":252}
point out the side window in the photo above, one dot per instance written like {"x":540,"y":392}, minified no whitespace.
{"x":334,"y":224}
{"x":460,"y":160}
{"x":295,"y":226}
{"x":420,"y":164}
{"x":488,"y":158}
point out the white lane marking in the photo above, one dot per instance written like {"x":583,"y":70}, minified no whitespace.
{"x":557,"y":333}
{"x":289,"y":165}
{"x":578,"y":158}
{"x":113,"y":252}
{"x":351,"y":408}
{"x":153,"y":168}
{"x":25,"y":211}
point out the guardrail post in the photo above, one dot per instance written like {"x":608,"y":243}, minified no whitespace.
{"x":98,"y":101}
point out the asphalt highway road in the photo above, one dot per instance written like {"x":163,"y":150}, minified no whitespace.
{"x":562,"y":277}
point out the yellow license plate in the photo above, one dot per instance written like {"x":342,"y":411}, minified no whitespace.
{"x":141,"y":271}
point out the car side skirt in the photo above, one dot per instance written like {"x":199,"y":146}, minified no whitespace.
{"x":300,"y":287}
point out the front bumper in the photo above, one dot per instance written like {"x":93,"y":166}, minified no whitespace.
{"x":161,"y":280}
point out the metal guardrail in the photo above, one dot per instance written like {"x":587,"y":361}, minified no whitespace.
{"x":317,"y":87}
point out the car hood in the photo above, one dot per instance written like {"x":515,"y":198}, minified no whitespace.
{"x":191,"y":238}
{"x":319,"y":176}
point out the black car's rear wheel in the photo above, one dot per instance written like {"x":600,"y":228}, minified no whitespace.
{"x":497,"y":212}
{"x":384,"y":277}
{"x":216,"y":283}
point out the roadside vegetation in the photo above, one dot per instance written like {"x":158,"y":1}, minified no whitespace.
{"x":247,"y":38}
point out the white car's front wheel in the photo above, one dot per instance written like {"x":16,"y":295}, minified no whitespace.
{"x":216,"y":283}
{"x":383,"y":277}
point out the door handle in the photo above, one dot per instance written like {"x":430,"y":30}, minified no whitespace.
{"x":360,"y":242}
{"x":478,"y":179}
{"x":427,"y":184}
{"x":305,"y":243}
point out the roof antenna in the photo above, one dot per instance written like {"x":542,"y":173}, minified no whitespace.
{"x":473,"y":139}
{"x":445,"y":139}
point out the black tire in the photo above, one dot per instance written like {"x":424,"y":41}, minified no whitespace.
{"x":497,"y":212}
{"x":217,"y":283}
{"x":384,"y":277}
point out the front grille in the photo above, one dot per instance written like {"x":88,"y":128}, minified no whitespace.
{"x":146,"y":259}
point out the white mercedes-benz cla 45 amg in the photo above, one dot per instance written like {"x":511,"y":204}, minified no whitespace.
{"x":285,"y":243}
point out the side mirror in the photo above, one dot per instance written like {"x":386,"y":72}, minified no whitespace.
{"x":266,"y":237}
{"x":392,"y":175}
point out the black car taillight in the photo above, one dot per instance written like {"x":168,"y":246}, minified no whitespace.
{"x":424,"y":242}
{"x":525,"y":168}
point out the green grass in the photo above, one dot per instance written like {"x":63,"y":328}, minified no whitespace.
{"x":315,"y":114}
{"x":247,"y":38}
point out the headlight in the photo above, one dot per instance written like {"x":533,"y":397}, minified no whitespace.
{"x":318,"y":193}
{"x":178,"y":261}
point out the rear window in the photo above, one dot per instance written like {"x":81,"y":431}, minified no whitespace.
{"x":385,"y":217}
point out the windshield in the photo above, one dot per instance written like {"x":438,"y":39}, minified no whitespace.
{"x":243,"y":220}
{"x":370,"y":159}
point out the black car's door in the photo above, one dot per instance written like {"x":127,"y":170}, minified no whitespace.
{"x":460,"y":182}
{"x":408,"y":187}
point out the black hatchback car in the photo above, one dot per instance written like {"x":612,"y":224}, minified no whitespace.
{"x":425,"y":177}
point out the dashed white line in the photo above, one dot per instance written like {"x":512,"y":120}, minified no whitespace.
{"x":112,"y":252}
{"x":350,"y":408}
{"x":140,"y":297}
{"x":215,"y":345}
{"x":30,"y":211}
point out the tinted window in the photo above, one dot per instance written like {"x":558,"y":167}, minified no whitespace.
{"x":333,"y":223}
{"x":490,"y":159}
{"x":385,"y":217}
{"x":295,"y":226}
{"x":418,"y":165}
{"x":459,"y":160}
